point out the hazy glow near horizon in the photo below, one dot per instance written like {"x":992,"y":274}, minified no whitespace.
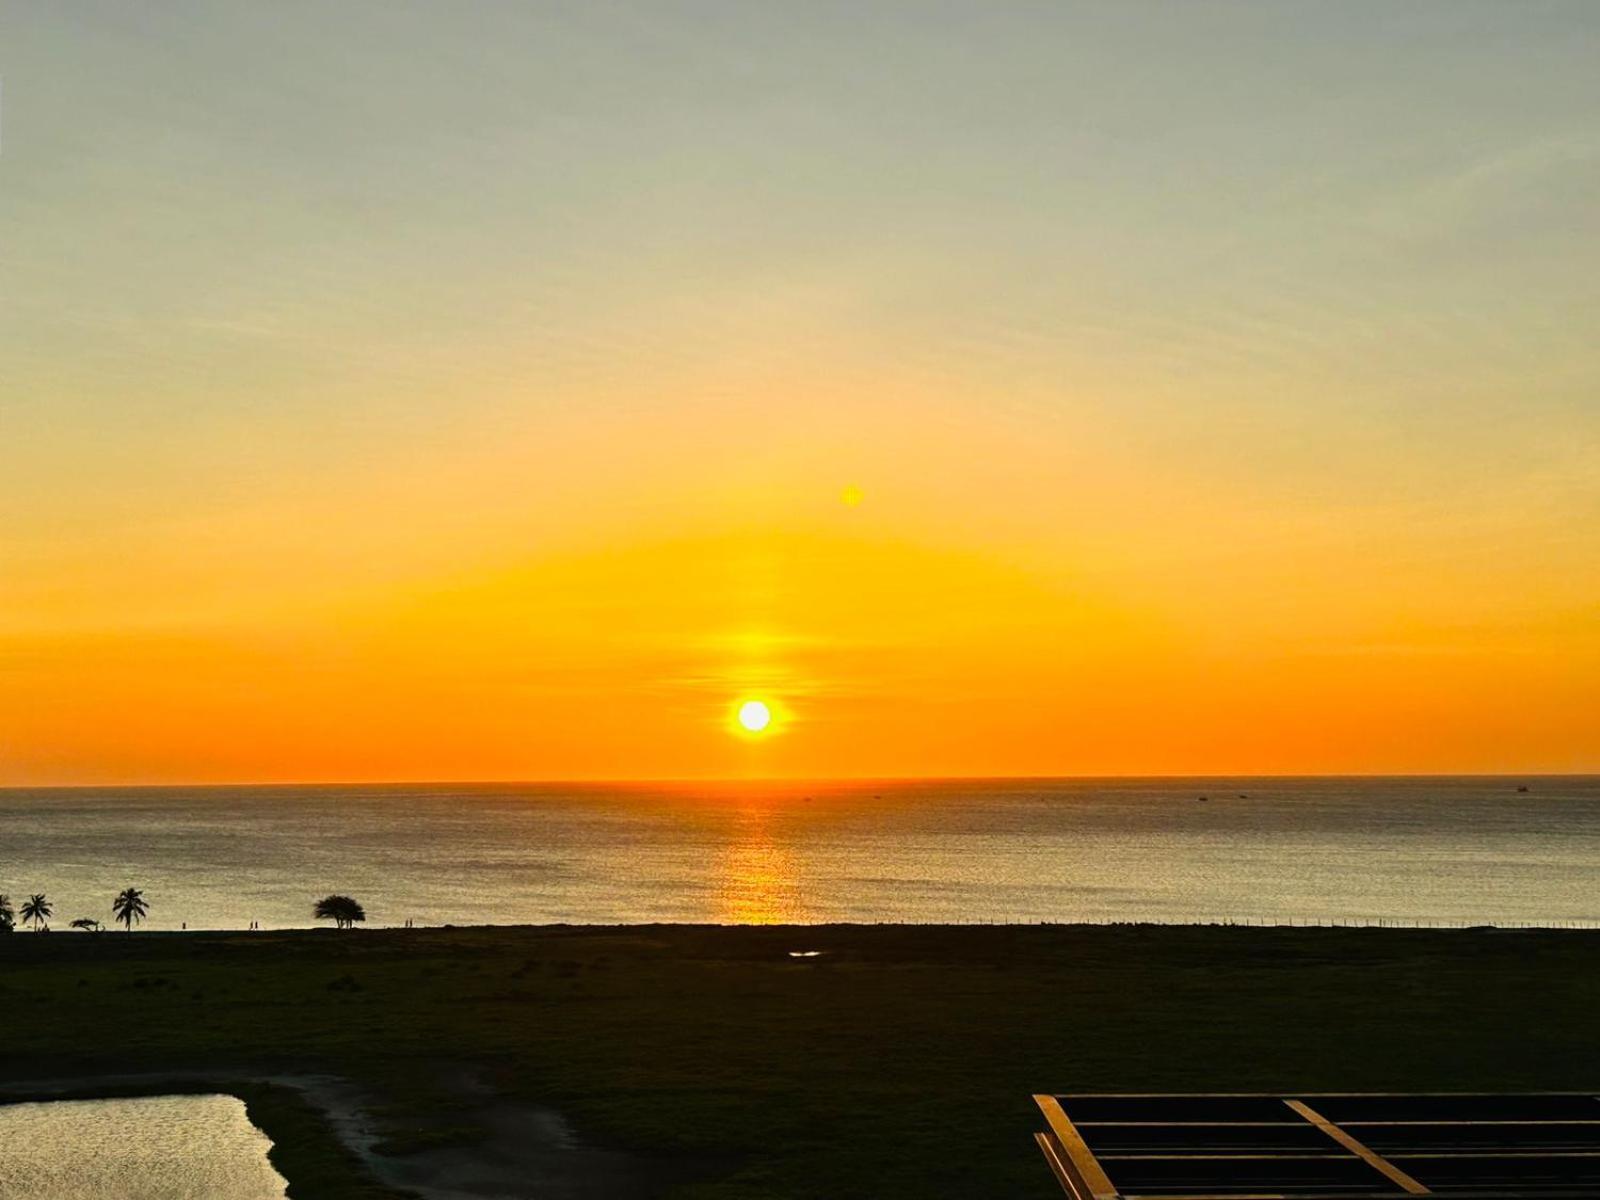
{"x":479,"y":391}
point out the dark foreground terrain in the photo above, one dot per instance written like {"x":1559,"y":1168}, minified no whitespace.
{"x":898,"y":1063}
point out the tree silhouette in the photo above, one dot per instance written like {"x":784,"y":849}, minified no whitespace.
{"x":36,"y":912}
{"x":341,"y":910}
{"x":88,"y":923}
{"x":129,"y":907}
{"x":8,"y":915}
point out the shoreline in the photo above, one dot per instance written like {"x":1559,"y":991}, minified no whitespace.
{"x":1296,"y":924}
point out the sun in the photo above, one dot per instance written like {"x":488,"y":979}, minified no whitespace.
{"x":754,"y":716}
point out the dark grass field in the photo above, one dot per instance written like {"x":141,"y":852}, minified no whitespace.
{"x":897,"y":1064}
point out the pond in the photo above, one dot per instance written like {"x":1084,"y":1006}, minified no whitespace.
{"x":148,"y":1148}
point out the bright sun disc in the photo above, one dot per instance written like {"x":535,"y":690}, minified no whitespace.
{"x":754,"y":716}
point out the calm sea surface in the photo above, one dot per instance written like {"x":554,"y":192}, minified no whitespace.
{"x":1450,"y":849}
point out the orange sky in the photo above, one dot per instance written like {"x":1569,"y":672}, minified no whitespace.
{"x":1215,"y":399}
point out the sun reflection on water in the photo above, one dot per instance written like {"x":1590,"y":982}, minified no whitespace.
{"x":756,"y":877}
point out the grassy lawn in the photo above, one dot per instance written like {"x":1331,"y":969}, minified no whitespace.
{"x":898,"y":1064}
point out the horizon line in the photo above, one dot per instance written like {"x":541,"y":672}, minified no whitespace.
{"x":738,"y":780}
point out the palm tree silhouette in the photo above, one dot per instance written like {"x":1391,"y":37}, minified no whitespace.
{"x":129,"y":907}
{"x":341,"y":910}
{"x":88,"y":924}
{"x":36,"y":912}
{"x":8,"y":915}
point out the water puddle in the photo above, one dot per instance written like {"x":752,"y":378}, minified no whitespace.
{"x":147,"y":1148}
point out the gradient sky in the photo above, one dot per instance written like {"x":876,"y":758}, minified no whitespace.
{"x":470,"y":390}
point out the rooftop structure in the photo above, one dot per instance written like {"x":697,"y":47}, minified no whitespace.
{"x":1314,"y":1145}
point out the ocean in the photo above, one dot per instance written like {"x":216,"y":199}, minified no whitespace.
{"x":1403,"y":850}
